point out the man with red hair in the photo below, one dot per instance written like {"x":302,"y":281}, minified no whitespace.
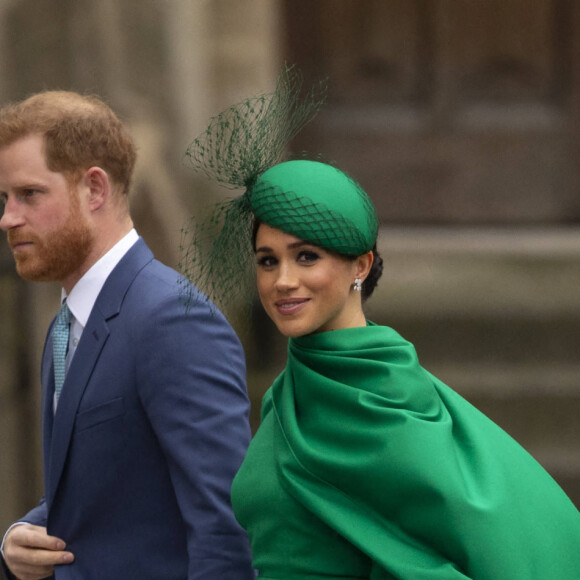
{"x":145,"y":410}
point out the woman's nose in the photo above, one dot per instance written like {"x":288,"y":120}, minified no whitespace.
{"x":287,"y":278}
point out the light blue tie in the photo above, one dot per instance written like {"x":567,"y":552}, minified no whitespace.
{"x":60,"y":336}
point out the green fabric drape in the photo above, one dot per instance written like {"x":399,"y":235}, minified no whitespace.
{"x":408,"y":471}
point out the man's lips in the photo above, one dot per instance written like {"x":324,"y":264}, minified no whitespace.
{"x":288,"y":306}
{"x":20,"y":245}
{"x":17,"y":241}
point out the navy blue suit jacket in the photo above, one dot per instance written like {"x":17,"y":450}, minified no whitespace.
{"x":150,"y":428}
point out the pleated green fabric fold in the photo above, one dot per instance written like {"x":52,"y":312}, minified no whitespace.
{"x":408,"y":471}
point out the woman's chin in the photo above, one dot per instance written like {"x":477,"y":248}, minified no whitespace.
{"x":290,"y":330}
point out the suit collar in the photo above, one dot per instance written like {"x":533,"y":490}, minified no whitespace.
{"x":111,"y":297}
{"x":83,"y":296}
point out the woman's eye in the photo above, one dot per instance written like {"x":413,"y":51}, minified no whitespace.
{"x":266,"y":261}
{"x":308,"y":257}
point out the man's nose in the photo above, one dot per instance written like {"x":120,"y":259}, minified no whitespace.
{"x":11,"y":215}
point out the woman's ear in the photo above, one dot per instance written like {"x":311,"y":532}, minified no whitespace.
{"x":364,"y":264}
{"x":97,"y":183}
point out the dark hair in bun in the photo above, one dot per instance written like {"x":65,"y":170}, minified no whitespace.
{"x":375,"y":273}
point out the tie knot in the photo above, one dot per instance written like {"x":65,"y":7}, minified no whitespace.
{"x":64,"y":314}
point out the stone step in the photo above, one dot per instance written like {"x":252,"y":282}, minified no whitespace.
{"x":505,"y":382}
{"x":540,"y":412}
{"x":480,"y":272}
{"x":499,"y":339}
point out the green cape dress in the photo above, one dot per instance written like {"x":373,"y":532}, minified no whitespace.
{"x":367,"y":466}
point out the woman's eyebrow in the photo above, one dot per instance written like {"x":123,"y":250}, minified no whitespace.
{"x":299,"y":244}
{"x":291,"y":246}
{"x":263,"y":249}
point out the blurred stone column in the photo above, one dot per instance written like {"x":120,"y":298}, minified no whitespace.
{"x":25,"y":312}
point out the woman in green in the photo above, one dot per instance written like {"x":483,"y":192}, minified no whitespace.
{"x":365,"y":465}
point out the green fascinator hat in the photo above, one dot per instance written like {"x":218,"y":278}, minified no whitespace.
{"x":318,"y":203}
{"x":243,"y":148}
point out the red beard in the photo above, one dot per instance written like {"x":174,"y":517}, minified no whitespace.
{"x":56,"y":255}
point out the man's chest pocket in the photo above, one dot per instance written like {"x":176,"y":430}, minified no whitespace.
{"x":99,"y":414}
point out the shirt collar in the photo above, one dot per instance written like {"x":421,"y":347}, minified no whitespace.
{"x":83,"y":296}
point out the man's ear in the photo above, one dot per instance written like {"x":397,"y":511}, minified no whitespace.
{"x":98,"y":185}
{"x":363,"y":265}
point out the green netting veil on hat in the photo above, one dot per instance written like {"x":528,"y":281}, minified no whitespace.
{"x":243,"y":148}
{"x":318,"y":203}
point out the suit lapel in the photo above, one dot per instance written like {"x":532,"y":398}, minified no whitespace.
{"x":94,"y":338}
{"x":47,"y":381}
{"x":58,"y":431}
